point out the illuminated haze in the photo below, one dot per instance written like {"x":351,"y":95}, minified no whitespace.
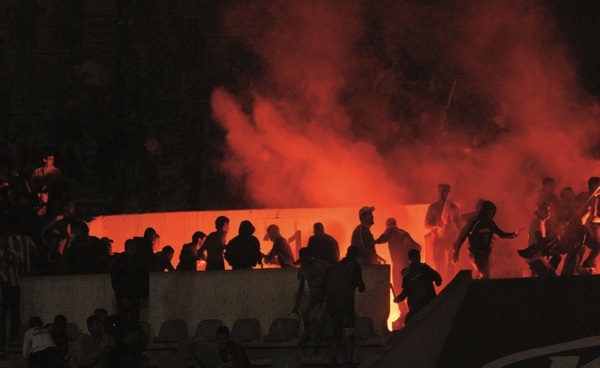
{"x":326,"y":122}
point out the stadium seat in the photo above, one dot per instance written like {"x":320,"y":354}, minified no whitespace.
{"x":207,"y":354}
{"x":147,"y":328}
{"x":246,"y":330}
{"x":283,"y":330}
{"x":172,"y":331}
{"x":207,"y":328}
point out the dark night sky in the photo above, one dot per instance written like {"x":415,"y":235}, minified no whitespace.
{"x":580,"y":22}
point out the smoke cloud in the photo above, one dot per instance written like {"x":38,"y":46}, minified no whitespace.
{"x":348,"y":104}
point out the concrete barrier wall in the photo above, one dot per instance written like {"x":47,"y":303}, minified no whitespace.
{"x":227,"y":295}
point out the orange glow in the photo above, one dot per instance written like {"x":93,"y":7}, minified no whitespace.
{"x":176,"y":228}
{"x":324,"y":129}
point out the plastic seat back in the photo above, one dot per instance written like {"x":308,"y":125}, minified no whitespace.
{"x":246,"y":329}
{"x":283,"y":329}
{"x":172,"y":331}
{"x":207,"y":328}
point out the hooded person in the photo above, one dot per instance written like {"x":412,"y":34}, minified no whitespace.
{"x":480,"y":231}
{"x":243,"y":251}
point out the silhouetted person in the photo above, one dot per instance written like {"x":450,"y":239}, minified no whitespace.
{"x":162,"y":259}
{"x":323,"y":245}
{"x":58,"y":231}
{"x":83,"y":252}
{"x":130,"y":281}
{"x":243,"y":251}
{"x":590,"y":219}
{"x":232,"y":354}
{"x":90,"y":350}
{"x":417,"y":284}
{"x":10,"y":289}
{"x":103,"y":315}
{"x":189,"y":252}
{"x":571,"y":230}
{"x":566,"y":208}
{"x":443,"y":221}
{"x":480,"y":231}
{"x":145,"y":247}
{"x":105,"y":253}
{"x":215,"y":245}
{"x":62,"y":340}
{"x":547,"y":193}
{"x":47,"y":175}
{"x":38,"y":347}
{"x":313,"y":271}
{"x":399,"y":243}
{"x":540,"y":244}
{"x":130,"y":341}
{"x":343,"y":279}
{"x":564,"y":215}
{"x":281,"y":253}
{"x":363,"y":239}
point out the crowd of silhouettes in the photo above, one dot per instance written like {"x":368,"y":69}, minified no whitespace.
{"x":562,"y":229}
{"x":108,"y":341}
{"x":565,"y":231}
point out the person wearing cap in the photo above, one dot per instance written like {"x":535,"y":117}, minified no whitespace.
{"x":443,"y":222}
{"x":363,"y":239}
{"x":281,"y":253}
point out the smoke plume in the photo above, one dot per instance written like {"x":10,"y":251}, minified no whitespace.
{"x":344,"y":103}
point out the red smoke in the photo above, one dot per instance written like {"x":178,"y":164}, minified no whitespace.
{"x":337,"y":117}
